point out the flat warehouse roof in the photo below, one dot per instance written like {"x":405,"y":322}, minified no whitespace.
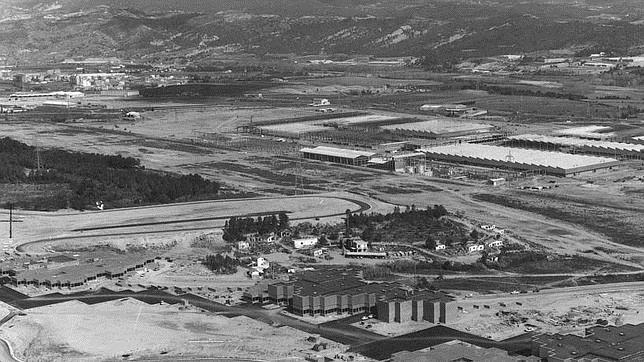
{"x":336,"y":152}
{"x":578,"y":142}
{"x":519,"y":156}
{"x":440,"y":125}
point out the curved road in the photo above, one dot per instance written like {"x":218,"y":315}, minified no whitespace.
{"x":6,"y":353}
{"x":152,"y":225}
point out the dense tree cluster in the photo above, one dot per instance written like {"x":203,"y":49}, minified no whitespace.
{"x":117,"y":181}
{"x":410,"y":215}
{"x":410,"y":226}
{"x":221,"y":264}
{"x":515,"y":91}
{"x":236,"y":227}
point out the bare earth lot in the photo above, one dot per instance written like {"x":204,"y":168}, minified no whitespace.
{"x":67,"y":331}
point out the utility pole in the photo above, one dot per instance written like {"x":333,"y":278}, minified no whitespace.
{"x":10,"y":220}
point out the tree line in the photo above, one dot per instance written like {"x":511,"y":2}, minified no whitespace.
{"x":115,"y":180}
{"x":514,"y":91}
{"x":236,"y":227}
{"x":220,"y":264}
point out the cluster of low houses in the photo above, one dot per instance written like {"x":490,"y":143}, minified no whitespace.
{"x":474,"y":246}
{"x":249,"y":239}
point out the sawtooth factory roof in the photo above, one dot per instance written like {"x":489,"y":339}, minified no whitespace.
{"x":551,"y":162}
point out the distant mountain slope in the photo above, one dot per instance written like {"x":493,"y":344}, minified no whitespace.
{"x":198,"y":30}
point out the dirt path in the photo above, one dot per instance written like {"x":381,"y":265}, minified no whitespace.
{"x":61,"y":227}
{"x":580,"y":239}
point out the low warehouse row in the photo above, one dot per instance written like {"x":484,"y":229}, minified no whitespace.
{"x":76,"y":276}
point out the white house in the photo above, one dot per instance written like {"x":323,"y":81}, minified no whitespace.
{"x":254,"y":273}
{"x":307,"y":242}
{"x":317,"y":253}
{"x":476,"y":247}
{"x":495,"y":244}
{"x":262,"y":263}
{"x":358,"y":245}
{"x":440,"y":247}
{"x":243,"y":245}
{"x":252,"y":237}
{"x":284,"y":233}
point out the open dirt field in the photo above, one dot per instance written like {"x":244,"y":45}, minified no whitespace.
{"x":67,"y":331}
{"x":183,"y":123}
{"x":557,"y":235}
{"x":563,"y":311}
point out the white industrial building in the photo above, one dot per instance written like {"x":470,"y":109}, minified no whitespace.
{"x":337,"y":155}
{"x":606,"y":148}
{"x":553,"y":163}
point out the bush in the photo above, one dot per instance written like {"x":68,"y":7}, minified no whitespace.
{"x":376,"y":272}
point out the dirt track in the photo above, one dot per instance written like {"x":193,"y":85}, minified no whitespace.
{"x":39,"y":228}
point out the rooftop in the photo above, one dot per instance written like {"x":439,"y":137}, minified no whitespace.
{"x":440,"y":126}
{"x":611,"y":343}
{"x":578,"y":142}
{"x":330,"y":280}
{"x":114,"y":264}
{"x":457,"y":350}
{"x":337,"y":152}
{"x":519,"y":156}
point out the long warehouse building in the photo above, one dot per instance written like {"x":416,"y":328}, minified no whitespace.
{"x":578,"y":145}
{"x":337,"y":155}
{"x":552,"y":163}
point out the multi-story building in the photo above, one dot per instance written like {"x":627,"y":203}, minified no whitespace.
{"x":339,"y":290}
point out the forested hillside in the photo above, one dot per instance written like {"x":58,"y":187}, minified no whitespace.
{"x":87,"y":178}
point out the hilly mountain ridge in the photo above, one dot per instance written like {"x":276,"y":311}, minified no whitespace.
{"x":198,"y":31}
